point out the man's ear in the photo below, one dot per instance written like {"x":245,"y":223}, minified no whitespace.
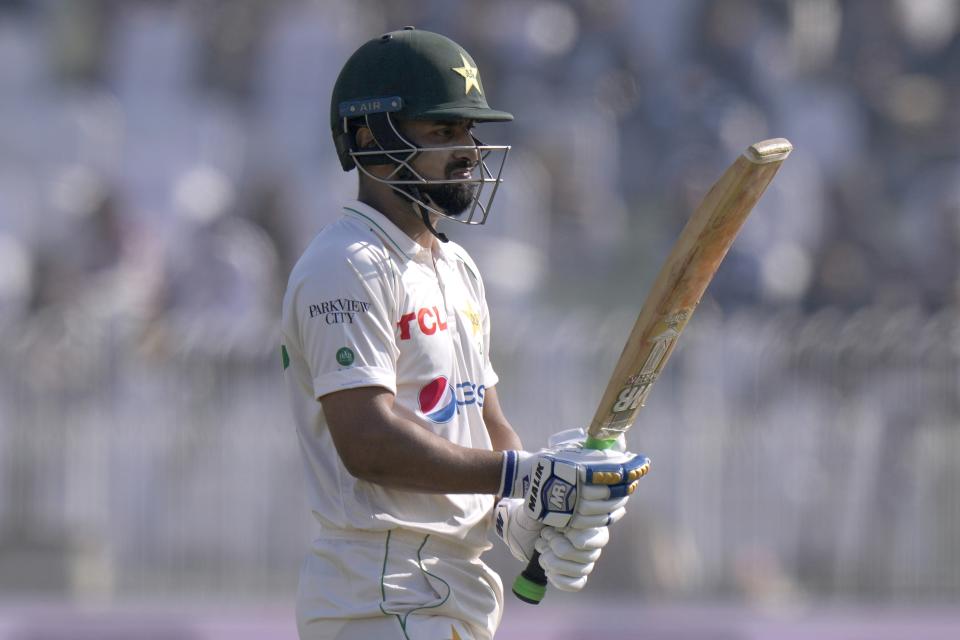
{"x":365,"y":139}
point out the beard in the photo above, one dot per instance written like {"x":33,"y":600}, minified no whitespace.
{"x":453,"y":199}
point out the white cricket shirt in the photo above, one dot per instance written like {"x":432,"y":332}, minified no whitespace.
{"x":367,"y":306}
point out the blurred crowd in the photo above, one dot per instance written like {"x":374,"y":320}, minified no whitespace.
{"x":168,"y":160}
{"x":164,"y":162}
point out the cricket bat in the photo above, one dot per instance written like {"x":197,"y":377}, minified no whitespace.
{"x":677,"y":290}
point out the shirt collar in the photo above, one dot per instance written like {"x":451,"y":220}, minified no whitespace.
{"x":383,"y":227}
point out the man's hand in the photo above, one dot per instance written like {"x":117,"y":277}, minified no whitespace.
{"x":572,"y":487}
{"x":579,"y":492}
{"x":568,"y":556}
{"x":517,"y":530}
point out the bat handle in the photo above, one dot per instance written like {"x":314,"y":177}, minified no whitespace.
{"x":531,"y":585}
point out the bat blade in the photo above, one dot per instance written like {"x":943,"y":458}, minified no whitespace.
{"x":680,"y":285}
{"x":674,"y":296}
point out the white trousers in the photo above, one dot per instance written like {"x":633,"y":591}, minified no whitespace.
{"x":396,"y":584}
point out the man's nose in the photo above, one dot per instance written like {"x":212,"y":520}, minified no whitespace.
{"x":472,"y":153}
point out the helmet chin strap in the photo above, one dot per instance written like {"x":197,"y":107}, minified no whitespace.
{"x":424,"y":216}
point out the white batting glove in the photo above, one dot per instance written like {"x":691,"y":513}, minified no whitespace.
{"x":517,"y":530}
{"x":568,"y":556}
{"x":572,"y":487}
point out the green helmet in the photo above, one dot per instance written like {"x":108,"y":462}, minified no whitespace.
{"x":417,"y":75}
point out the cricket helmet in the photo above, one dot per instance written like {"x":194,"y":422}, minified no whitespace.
{"x":417,"y":75}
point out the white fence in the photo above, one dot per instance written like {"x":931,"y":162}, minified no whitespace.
{"x":793,"y":455}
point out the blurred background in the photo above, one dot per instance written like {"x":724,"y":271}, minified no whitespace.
{"x":163,"y":163}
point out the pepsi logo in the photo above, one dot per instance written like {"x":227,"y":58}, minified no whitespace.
{"x":437,"y":400}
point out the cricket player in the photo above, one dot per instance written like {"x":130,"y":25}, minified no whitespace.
{"x":409,"y":460}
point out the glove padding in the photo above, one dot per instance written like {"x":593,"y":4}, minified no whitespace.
{"x":572,"y":487}
{"x":568,"y":556}
{"x":517,"y":529}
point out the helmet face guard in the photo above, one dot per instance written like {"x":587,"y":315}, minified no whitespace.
{"x":416,"y":75}
{"x":406,"y":180}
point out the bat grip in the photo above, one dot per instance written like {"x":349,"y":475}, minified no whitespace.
{"x":531,"y":585}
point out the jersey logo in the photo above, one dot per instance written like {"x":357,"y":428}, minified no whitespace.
{"x":428,"y":319}
{"x":437,"y":400}
{"x":339,"y":311}
{"x":475,"y":323}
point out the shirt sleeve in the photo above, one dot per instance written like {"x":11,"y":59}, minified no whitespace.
{"x":490,"y":377}
{"x":343,"y":311}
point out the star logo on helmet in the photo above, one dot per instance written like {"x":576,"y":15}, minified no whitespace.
{"x":471,"y":77}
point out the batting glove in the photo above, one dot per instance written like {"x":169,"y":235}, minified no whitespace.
{"x":515,"y":528}
{"x":572,"y":487}
{"x":568,"y":556}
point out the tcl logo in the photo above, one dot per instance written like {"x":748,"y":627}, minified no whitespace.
{"x":428,"y":319}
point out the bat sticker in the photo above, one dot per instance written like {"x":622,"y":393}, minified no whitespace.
{"x":637,"y":387}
